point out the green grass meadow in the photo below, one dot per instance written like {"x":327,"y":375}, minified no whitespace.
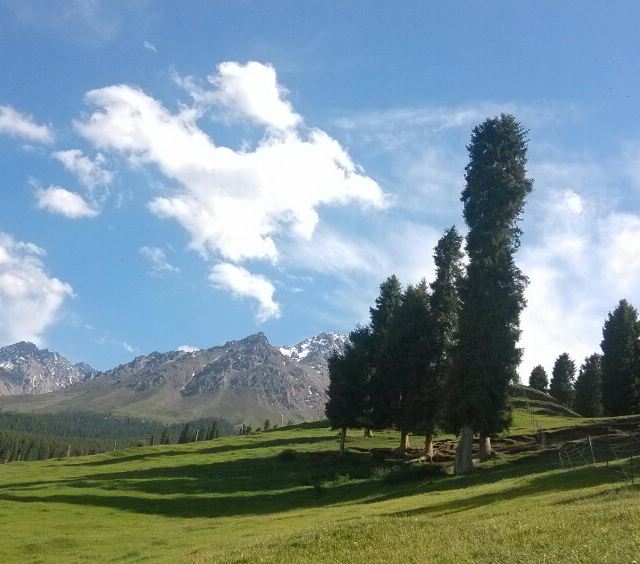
{"x":242,"y":499}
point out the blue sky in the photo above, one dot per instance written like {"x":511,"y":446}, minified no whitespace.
{"x":180,"y":174}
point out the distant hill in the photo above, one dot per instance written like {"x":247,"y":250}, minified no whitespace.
{"x":26,"y":369}
{"x":248,"y":380}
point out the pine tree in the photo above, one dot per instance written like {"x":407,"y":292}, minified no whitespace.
{"x":267,"y":425}
{"x":487,"y":355}
{"x":445,"y":312}
{"x":386,"y":305}
{"x":588,"y":387}
{"x":562,"y":377}
{"x":620,"y":334}
{"x":185,"y":435}
{"x":539,"y":379}
{"x":405,"y":362}
{"x":349,"y":371}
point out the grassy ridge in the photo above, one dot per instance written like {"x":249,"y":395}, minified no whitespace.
{"x":240,"y":499}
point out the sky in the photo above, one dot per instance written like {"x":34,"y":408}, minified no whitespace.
{"x":181,"y":174}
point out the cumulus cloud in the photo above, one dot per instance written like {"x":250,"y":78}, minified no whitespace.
{"x":157,"y":259}
{"x":235,"y":204}
{"x":23,"y":126}
{"x":90,"y":172}
{"x":242,"y":283}
{"x":30,"y":299}
{"x":61,"y":201}
{"x":583,"y":259}
{"x":252,"y":92}
{"x":187,"y":348}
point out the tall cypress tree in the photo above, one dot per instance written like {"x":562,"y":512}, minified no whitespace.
{"x":349,"y":372}
{"x":493,"y":290}
{"x":445,"y":312}
{"x":619,"y":336}
{"x":404,"y":363}
{"x":588,"y":387}
{"x":386,"y":305}
{"x":539,"y":379}
{"x":562,"y":377}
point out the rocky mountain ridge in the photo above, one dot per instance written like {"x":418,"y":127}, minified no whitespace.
{"x":26,"y":369}
{"x":248,"y":379}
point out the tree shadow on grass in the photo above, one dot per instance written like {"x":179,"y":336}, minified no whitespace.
{"x":208,"y":449}
{"x":267,"y":485}
{"x":540,"y":484}
{"x":239,"y":476}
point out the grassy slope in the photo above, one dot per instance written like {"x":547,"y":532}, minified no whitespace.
{"x":235,"y":500}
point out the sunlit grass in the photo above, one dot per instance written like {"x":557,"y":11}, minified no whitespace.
{"x":240,"y":500}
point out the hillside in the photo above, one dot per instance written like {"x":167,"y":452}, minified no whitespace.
{"x":284,"y":496}
{"x":248,"y":381}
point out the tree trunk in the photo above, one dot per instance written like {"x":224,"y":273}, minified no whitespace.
{"x":367,"y":433}
{"x":486,"y":452}
{"x":428,"y":446}
{"x":464,"y":451}
{"x":404,"y":441}
{"x":343,"y":436}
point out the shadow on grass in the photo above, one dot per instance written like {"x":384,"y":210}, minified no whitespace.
{"x":249,"y":444}
{"x":540,"y":483}
{"x":255,"y":486}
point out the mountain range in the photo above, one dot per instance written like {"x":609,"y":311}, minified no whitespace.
{"x":248,"y":381}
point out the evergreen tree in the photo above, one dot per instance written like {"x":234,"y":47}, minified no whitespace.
{"x":445,"y":312}
{"x":386,"y":305}
{"x":185,"y":435}
{"x":164,"y":438}
{"x":492,"y":292}
{"x":349,"y":371}
{"x":539,"y":379}
{"x":620,"y":334}
{"x":635,"y":370}
{"x":267,"y":425}
{"x":588,"y":387}
{"x":405,"y":362}
{"x":562,"y":377}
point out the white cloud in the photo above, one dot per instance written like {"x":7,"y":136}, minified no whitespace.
{"x":252,"y":92}
{"x":30,"y":299}
{"x":20,"y":125}
{"x":149,"y":46}
{"x":58,"y":200}
{"x":581,"y":261}
{"x":188,"y":348}
{"x":240,"y":282}
{"x":236,"y":204}
{"x":90,"y":173}
{"x":157,"y":259}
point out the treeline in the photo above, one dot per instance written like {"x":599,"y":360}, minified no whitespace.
{"x":72,"y":433}
{"x":444,"y":354}
{"x":607,"y":383}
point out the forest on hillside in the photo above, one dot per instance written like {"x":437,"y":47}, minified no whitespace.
{"x":30,"y":436}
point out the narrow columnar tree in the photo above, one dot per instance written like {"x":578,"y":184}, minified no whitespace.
{"x":386,"y":305}
{"x":404,"y":363}
{"x":487,"y":355}
{"x":445,"y":312}
{"x":619,"y":336}
{"x":562,"y":377}
{"x":588,"y":387}
{"x":349,"y":372}
{"x":635,"y":370}
{"x":539,"y":379}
